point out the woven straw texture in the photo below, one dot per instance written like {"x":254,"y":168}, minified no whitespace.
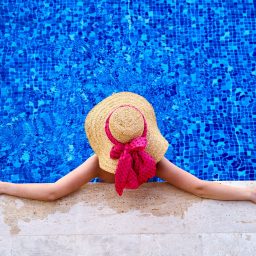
{"x":125,"y":124}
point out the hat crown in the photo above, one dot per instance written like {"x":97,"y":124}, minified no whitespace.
{"x":126,"y":123}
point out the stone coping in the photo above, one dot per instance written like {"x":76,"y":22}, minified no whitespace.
{"x":154,"y":212}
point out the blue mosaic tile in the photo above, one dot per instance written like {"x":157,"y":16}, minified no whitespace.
{"x":195,"y":61}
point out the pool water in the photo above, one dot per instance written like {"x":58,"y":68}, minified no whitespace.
{"x":195,"y":61}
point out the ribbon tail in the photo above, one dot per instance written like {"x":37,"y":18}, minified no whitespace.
{"x":146,"y":165}
{"x":125,"y":176}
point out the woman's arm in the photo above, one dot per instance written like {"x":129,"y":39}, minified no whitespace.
{"x":220,"y":191}
{"x":207,"y":189}
{"x":52,"y":191}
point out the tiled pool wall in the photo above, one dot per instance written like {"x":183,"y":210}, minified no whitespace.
{"x":193,"y":60}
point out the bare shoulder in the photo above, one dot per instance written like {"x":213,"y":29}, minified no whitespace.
{"x":176,"y":176}
{"x":102,"y":174}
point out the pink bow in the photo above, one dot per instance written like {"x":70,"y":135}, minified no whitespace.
{"x":135,"y":166}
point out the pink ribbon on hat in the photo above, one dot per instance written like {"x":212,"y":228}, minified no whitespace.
{"x":135,"y":166}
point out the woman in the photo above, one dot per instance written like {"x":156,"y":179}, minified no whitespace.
{"x":129,"y":149}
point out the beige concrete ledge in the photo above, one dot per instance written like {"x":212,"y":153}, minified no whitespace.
{"x":156,"y":219}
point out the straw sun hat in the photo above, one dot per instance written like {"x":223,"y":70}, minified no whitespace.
{"x":123,"y":132}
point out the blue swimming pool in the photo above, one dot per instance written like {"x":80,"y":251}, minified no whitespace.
{"x":195,"y":61}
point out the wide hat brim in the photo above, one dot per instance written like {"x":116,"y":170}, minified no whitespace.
{"x":95,"y":128}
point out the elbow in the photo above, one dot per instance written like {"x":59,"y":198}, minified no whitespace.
{"x":51,"y":197}
{"x":52,"y":194}
{"x":200,"y":189}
